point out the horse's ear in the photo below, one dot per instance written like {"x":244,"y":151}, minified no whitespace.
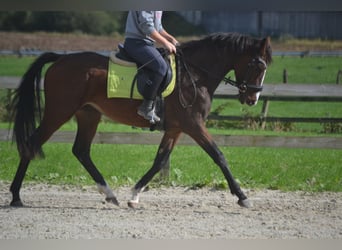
{"x":265,"y":45}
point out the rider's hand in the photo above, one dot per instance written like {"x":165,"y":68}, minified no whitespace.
{"x":170,"y":47}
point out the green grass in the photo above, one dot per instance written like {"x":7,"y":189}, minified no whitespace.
{"x":14,"y":66}
{"x":279,"y":109}
{"x":315,"y":70}
{"x":283,"y":169}
{"x":304,"y":70}
{"x":282,"y":108}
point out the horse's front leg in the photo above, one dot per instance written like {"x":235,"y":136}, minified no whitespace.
{"x":203,"y":138}
{"x":168,"y":142}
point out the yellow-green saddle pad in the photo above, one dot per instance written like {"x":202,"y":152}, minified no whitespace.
{"x":120,"y":78}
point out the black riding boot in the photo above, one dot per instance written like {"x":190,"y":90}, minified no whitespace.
{"x":147,"y":110}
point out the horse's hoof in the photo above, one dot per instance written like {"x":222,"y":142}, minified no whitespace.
{"x":16,"y":203}
{"x":113,"y":200}
{"x":132,"y":204}
{"x":245,"y":203}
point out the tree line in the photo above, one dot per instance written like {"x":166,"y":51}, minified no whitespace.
{"x":94,"y":22}
{"x":90,"y":22}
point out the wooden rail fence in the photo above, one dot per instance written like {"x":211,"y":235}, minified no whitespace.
{"x":288,"y":92}
{"x":149,"y":138}
{"x":271,"y":92}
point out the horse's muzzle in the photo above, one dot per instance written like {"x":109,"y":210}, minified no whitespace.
{"x":249,"y":100}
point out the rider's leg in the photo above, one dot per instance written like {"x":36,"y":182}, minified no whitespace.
{"x":148,"y":56}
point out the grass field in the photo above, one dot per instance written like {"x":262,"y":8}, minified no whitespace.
{"x":304,"y":70}
{"x":284,"y":169}
{"x":300,"y":70}
{"x":273,"y":168}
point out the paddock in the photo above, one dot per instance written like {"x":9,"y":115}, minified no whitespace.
{"x":65,"y":212}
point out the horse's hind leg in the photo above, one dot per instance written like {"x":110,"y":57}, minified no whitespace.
{"x":87,"y":120}
{"x":48,"y":126}
{"x":17,"y":182}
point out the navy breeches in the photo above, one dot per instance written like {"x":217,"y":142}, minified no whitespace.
{"x":145,"y":53}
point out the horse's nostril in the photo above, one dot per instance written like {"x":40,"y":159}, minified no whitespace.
{"x":250,"y":102}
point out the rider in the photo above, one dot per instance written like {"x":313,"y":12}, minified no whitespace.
{"x":143,"y":29}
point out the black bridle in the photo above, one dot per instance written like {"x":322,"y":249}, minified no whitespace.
{"x":257,"y":65}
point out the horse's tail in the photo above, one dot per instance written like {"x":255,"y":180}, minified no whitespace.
{"x":26,"y":107}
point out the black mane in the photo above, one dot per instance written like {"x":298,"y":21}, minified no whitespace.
{"x":235,"y":42}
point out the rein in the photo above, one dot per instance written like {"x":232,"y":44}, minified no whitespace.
{"x":179,"y":58}
{"x":243,"y":87}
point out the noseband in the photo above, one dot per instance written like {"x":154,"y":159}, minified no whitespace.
{"x":255,"y":66}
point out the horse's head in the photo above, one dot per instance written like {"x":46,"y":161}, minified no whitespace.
{"x":250,"y":71}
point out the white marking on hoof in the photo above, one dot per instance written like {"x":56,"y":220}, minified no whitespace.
{"x":132,"y":203}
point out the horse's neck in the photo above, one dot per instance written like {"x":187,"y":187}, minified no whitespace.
{"x":212,"y":63}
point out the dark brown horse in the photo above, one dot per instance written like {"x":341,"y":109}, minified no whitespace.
{"x":75,"y":85}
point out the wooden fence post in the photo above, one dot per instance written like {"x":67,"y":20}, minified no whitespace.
{"x":339,"y":76}
{"x":285,"y":76}
{"x":264,"y":112}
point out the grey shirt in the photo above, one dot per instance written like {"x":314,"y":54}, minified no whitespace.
{"x":140,"y":24}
